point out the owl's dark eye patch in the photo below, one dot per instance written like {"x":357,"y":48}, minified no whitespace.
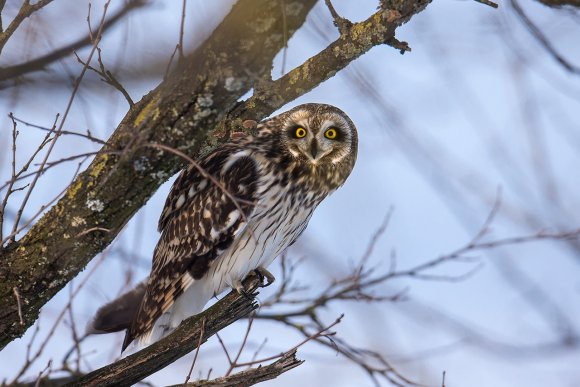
{"x":297,"y":131}
{"x":335,"y":133}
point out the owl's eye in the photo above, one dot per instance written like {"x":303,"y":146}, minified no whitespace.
{"x":330,"y":133}
{"x":299,"y":132}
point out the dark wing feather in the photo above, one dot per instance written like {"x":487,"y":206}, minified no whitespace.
{"x":198,"y":223}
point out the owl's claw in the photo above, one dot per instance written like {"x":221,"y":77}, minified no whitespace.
{"x":262,"y":273}
{"x":238,"y":287}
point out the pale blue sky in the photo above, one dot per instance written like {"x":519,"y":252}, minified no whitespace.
{"x":476,"y":105}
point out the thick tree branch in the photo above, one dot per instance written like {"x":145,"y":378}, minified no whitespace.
{"x":185,"y":339}
{"x":180,"y":113}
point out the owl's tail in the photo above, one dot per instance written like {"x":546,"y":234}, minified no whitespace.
{"x":118,"y":314}
{"x":191,"y":302}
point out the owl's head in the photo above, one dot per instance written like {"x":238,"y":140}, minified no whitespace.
{"x":319,"y":134}
{"x":314,"y":144}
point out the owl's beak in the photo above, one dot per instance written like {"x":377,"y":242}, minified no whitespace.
{"x":314,"y":149}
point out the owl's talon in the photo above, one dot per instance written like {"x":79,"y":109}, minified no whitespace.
{"x":239,"y":288}
{"x":262,"y":273}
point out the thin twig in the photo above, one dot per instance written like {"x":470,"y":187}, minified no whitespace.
{"x":92,"y":229}
{"x":181,"y":30}
{"x":107,"y":76}
{"x":88,"y":136}
{"x":62,"y":121}
{"x":343,"y":24}
{"x":40,"y":210}
{"x":48,"y":166}
{"x":19,"y":304}
{"x":285,"y":34}
{"x":196,"y":351}
{"x":321,"y":333}
{"x":26,"y":9}
{"x":235,"y":361}
{"x":52,"y":330}
{"x":47,"y":370}
{"x":34,"y":180}
{"x":224,"y":348}
{"x":12,"y":178}
{"x":543,"y":40}
{"x":488,"y":3}
{"x":40,"y":63}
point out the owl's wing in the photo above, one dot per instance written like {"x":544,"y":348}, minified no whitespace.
{"x":200,"y":220}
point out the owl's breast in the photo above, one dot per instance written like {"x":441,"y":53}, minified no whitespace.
{"x":281,"y":215}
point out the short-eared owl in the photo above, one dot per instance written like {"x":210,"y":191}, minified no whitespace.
{"x":215,"y":230}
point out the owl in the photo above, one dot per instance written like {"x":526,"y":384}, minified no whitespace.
{"x":250,"y":200}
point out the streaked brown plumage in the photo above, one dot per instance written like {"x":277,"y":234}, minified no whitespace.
{"x":210,"y":242}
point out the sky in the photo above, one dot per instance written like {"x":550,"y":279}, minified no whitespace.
{"x":477,"y":116}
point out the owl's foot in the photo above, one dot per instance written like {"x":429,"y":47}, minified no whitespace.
{"x":262,"y":273}
{"x":239,"y":287}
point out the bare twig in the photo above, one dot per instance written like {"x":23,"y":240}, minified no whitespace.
{"x":107,"y":76}
{"x":19,"y":303}
{"x":323,"y":332}
{"x":252,"y":376}
{"x":543,"y":40}
{"x":92,"y":229}
{"x":343,"y":24}
{"x":196,"y":352}
{"x":12,"y":236}
{"x":34,"y":181}
{"x":31,"y":359}
{"x":224,"y":348}
{"x":60,"y":126}
{"x":181,"y":29}
{"x":26,"y":9}
{"x":21,"y":176}
{"x":12,"y":178}
{"x":88,"y":135}
{"x":233,"y":363}
{"x":285,"y":32}
{"x":38,"y":64}
{"x":46,"y":369}
{"x":488,"y":3}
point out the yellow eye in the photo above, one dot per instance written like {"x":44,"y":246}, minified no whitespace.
{"x":300,"y":132}
{"x":330,"y":133}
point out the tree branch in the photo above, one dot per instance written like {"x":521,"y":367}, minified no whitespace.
{"x":355,"y":41}
{"x":182,"y":341}
{"x":40,"y":63}
{"x":251,"y":376}
{"x":26,"y":9}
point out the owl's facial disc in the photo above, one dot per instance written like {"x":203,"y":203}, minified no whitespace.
{"x":306,"y":144}
{"x":318,"y":138}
